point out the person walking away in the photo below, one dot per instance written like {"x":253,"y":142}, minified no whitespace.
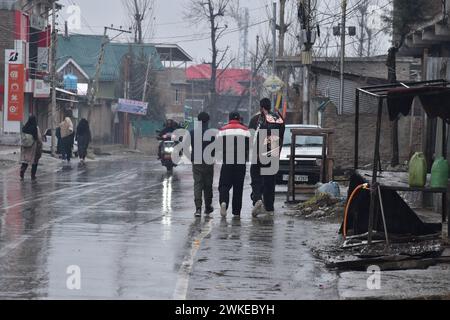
{"x":66,"y":136}
{"x":83,"y":137}
{"x":235,"y":141}
{"x":263,"y":186}
{"x":203,"y":172}
{"x":31,"y":148}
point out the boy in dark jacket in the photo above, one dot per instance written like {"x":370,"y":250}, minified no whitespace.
{"x":202,"y":171}
{"x":235,"y":144}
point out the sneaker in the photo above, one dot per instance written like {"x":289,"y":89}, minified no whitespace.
{"x":198,"y":212}
{"x":209,"y":210}
{"x":223,"y":209}
{"x":257,"y":208}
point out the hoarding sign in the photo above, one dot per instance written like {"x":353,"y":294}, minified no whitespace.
{"x":132,"y":106}
{"x":41,"y":89}
{"x":15,"y":98}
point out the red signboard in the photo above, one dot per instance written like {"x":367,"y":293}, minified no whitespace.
{"x":16,"y":85}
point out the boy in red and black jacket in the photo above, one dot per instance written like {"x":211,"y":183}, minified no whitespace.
{"x":235,"y":145}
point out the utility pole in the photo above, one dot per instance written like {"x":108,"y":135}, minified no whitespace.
{"x":101,"y":57}
{"x":274,"y":48}
{"x":305,"y":19}
{"x":283,"y":28}
{"x":144,"y":92}
{"x":253,"y":62}
{"x":343,"y":29}
{"x":53,"y":80}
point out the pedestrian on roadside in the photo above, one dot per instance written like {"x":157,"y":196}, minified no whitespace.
{"x":83,"y":137}
{"x":31,"y":147}
{"x":235,"y":144}
{"x":203,"y":172}
{"x":67,"y":136}
{"x":263,"y":185}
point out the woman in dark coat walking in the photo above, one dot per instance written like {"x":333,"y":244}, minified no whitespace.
{"x":30,"y":154}
{"x":83,"y":139}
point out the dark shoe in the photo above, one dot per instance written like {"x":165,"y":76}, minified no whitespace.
{"x":22,"y":176}
{"x":198,"y":212}
{"x":33,"y":178}
{"x":236,"y":216}
{"x":209,"y":210}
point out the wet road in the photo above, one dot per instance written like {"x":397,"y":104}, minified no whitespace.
{"x":130,"y":229}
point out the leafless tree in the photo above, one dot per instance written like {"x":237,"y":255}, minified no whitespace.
{"x":212,"y":13}
{"x":141,"y":14}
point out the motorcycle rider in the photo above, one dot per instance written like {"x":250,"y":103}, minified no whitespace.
{"x":170,"y":126}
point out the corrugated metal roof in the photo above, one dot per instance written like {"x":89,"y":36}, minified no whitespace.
{"x":329,"y":86}
{"x":85,"y":49}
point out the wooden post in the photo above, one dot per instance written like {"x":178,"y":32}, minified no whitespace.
{"x":373,"y":189}
{"x":291,"y":179}
{"x":356,"y":130}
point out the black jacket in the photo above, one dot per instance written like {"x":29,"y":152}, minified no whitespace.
{"x":204,"y":143}
{"x":268,"y":122}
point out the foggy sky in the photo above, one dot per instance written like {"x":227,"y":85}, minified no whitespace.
{"x":170,"y":25}
{"x":169,"y":22}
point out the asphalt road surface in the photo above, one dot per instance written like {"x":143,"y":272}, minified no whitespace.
{"x":123,"y":228}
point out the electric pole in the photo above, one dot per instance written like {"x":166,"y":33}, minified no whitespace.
{"x":101,"y":57}
{"x":52,"y":59}
{"x":305,"y":16}
{"x":144,"y":93}
{"x":274,"y":48}
{"x":253,"y":62}
{"x":343,"y":31}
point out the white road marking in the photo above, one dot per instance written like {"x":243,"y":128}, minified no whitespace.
{"x":184,"y":273}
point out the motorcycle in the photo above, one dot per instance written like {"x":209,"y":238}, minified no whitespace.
{"x":166,"y":147}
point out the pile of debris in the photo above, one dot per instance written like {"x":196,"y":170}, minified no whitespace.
{"x":321,"y":207}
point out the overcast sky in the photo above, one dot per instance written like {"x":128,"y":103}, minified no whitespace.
{"x":170,"y":25}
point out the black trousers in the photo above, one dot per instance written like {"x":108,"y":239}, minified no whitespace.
{"x":203,"y":184}
{"x":66,"y":146}
{"x":24,"y":167}
{"x":232,"y":176}
{"x":263,"y":187}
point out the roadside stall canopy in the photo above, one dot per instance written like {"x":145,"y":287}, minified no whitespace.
{"x":398,"y":217}
{"x":435,"y":101}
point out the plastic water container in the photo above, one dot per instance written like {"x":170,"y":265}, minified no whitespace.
{"x":439,"y":173}
{"x":417,"y":170}
{"x":70,"y":82}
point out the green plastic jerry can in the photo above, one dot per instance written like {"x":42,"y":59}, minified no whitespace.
{"x":417,"y":170}
{"x":439,"y":173}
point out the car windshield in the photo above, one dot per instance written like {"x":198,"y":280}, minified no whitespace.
{"x":302,"y":141}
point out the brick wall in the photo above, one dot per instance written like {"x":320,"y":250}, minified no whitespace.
{"x":344,"y":137}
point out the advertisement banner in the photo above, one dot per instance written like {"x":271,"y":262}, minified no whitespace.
{"x":132,"y":106}
{"x":15,"y":101}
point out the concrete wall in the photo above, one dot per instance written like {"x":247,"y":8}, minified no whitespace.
{"x":344,"y":137}
{"x":168,"y":82}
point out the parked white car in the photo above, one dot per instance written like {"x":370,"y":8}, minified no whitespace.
{"x":307,"y":170}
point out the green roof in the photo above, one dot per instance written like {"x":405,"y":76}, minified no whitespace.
{"x":85,"y":49}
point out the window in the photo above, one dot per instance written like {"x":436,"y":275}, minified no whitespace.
{"x":177,"y":96}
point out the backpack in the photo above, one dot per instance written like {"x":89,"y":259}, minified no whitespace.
{"x":27,"y":140}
